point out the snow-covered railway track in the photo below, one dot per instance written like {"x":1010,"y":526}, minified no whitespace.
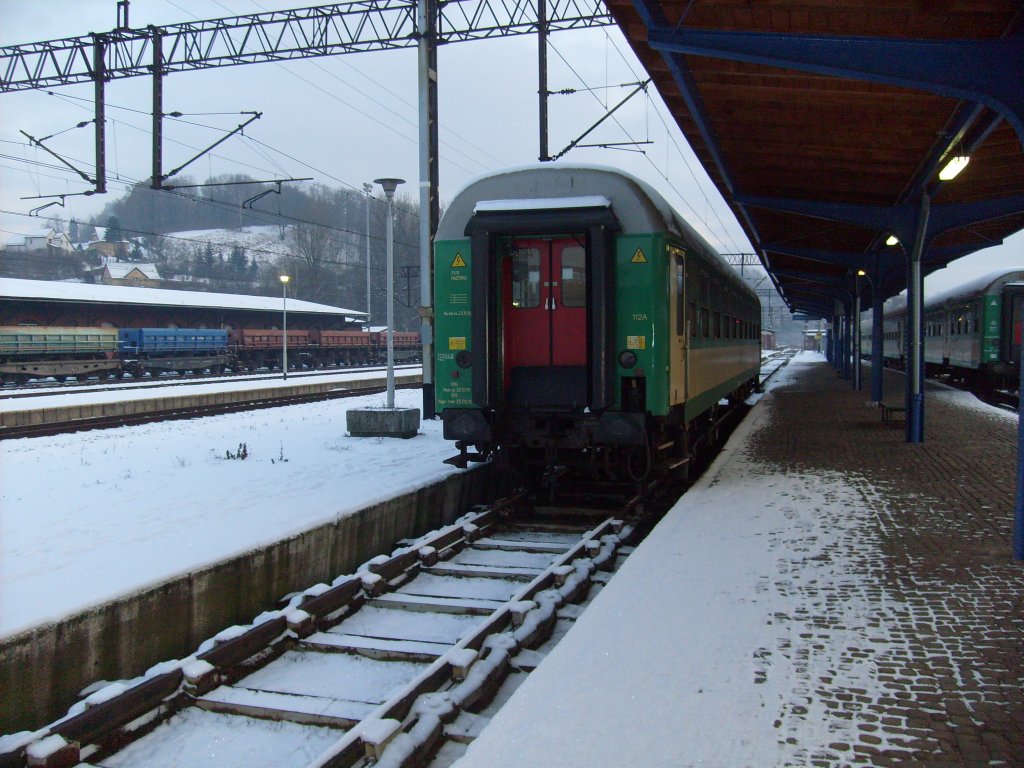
{"x":394,"y":665}
{"x":124,"y":414}
{"x":47,"y":389}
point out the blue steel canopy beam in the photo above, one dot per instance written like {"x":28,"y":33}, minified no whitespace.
{"x":809,"y":277}
{"x":955,"y":215}
{"x":848,"y":259}
{"x":900,"y":220}
{"x":988,"y":71}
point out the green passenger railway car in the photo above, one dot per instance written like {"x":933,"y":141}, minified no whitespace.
{"x":580,"y":322}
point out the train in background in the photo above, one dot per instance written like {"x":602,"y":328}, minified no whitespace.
{"x":972,"y":333}
{"x":582,"y":325}
{"x":35,"y":352}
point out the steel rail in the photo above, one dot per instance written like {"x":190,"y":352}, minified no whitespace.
{"x":125,"y":420}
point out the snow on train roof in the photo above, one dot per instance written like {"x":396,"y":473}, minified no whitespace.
{"x":978,"y":285}
{"x":543,"y":203}
{"x":12,"y":288}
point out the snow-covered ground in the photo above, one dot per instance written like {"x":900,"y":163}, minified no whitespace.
{"x":88,"y":517}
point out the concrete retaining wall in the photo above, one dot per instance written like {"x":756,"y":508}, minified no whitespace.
{"x":43,"y":670}
{"x":33,"y":417}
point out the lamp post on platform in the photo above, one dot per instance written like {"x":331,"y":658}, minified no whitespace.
{"x":389,"y":186}
{"x":368,"y":189}
{"x":388,"y":421}
{"x":284,"y":326}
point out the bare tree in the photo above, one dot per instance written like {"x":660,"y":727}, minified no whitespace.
{"x":311,"y":251}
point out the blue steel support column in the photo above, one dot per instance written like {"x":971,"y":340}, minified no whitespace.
{"x":857,"y":385}
{"x":838,"y":343}
{"x":915,"y":330}
{"x":847,"y":344}
{"x":1018,"y":517}
{"x":877,"y":340}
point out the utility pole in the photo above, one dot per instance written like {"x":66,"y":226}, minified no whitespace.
{"x":542,"y":77}
{"x":368,"y":189}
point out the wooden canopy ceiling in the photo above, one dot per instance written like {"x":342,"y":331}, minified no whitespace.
{"x":823,"y":123}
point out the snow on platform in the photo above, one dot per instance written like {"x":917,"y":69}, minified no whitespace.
{"x":88,"y":517}
{"x":771,"y":618}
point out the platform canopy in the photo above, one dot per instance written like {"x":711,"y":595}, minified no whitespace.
{"x":823,"y":123}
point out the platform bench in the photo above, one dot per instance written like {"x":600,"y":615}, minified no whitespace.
{"x":893,"y":412}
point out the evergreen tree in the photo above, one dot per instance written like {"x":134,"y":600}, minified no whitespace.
{"x":114,"y":233}
{"x":238,"y":261}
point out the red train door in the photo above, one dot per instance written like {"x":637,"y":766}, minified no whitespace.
{"x":545,"y":324}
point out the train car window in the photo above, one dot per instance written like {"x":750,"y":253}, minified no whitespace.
{"x":716,"y":325}
{"x":526,"y":278}
{"x":574,"y":276}
{"x":705,"y":322}
{"x":693,"y":319}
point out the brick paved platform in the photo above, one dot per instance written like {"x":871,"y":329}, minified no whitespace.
{"x":827,"y":595}
{"x":944,"y":557}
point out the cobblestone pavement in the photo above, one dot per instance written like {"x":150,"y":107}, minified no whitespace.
{"x":934,"y":562}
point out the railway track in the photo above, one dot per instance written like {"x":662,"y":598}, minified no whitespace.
{"x":772,"y":365}
{"x":210,"y":409}
{"x":399,"y":664}
{"x":46,"y":389}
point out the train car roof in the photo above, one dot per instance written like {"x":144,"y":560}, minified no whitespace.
{"x":48,"y":290}
{"x":638,"y":207}
{"x":977,"y":286}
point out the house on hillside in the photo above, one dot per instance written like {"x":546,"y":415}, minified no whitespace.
{"x":137,"y":275}
{"x":39,"y":240}
{"x":107,"y":249}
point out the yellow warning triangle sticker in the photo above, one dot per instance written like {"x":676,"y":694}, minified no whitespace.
{"x":638,"y":257}
{"x":458,"y":261}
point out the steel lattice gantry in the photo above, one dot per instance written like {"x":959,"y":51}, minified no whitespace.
{"x":325,"y":30}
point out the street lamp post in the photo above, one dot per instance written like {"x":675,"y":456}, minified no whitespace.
{"x":368,"y":189}
{"x":284,"y":326}
{"x":389,"y":186}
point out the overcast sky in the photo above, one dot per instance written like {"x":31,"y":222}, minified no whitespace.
{"x":345,"y":120}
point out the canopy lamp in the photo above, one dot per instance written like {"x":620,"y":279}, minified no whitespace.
{"x":956,"y":164}
{"x":892,"y":240}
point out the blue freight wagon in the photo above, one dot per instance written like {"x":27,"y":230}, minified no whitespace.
{"x":159,"y":350}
